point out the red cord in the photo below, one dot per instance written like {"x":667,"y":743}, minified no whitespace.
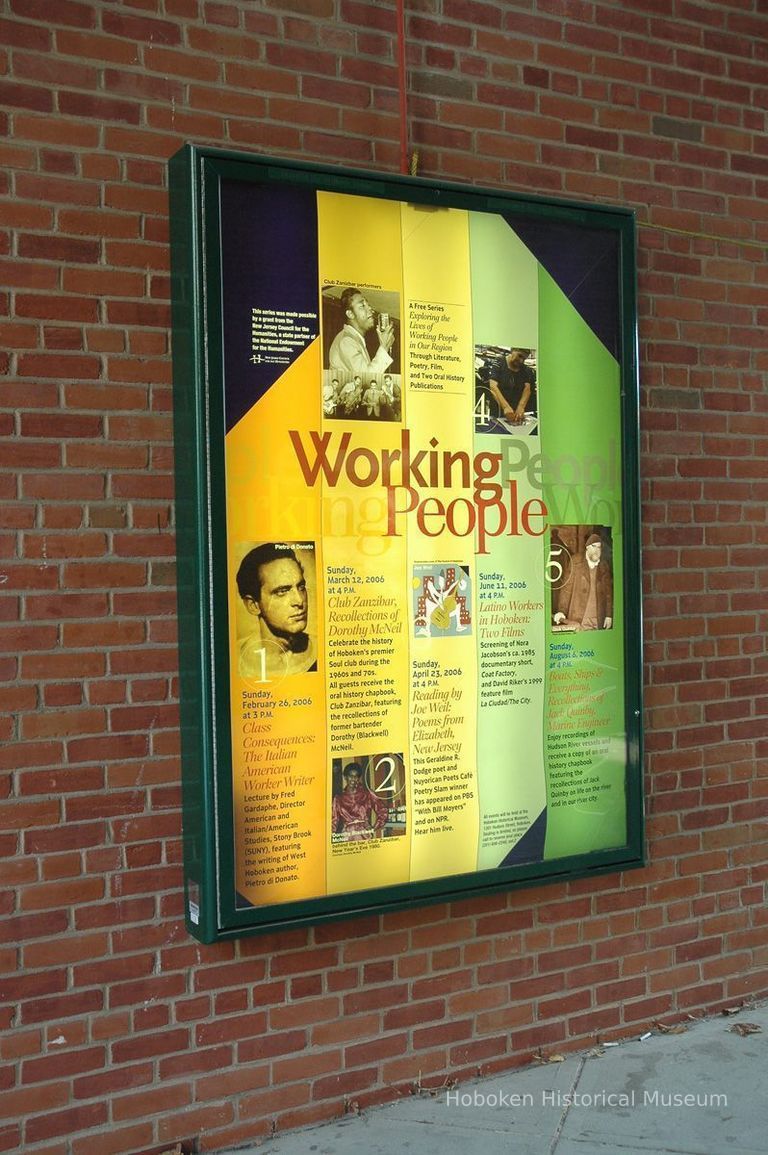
{"x":402,"y":79}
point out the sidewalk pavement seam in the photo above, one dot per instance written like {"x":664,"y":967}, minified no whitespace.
{"x":564,"y":1115}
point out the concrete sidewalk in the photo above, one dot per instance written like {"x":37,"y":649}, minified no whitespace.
{"x":699,"y":1092}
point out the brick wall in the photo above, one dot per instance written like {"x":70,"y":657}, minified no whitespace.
{"x":120,"y":1034}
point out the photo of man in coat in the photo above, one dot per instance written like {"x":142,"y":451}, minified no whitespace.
{"x":585,"y":599}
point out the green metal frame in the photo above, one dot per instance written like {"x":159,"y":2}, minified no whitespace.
{"x":194,"y":178}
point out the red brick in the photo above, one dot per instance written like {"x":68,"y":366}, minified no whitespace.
{"x":140,"y":28}
{"x":231,"y":1029}
{"x":109,"y":575}
{"x":26,"y":96}
{"x":307,"y":960}
{"x":51,"y":895}
{"x":226,"y":1083}
{"x":151,"y":1102}
{"x":150,"y":1046}
{"x":342,"y":1085}
{"x":27,"y":1100}
{"x":194,"y":1061}
{"x":306,"y":1013}
{"x":64,"y":723}
{"x":63,"y":1064}
{"x":75,"y":1005}
{"x":66,"y":1122}
{"x":117,"y":1141}
{"x":192,"y":1122}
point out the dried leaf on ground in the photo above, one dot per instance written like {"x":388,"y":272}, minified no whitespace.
{"x":677,"y":1029}
{"x":746,"y":1028}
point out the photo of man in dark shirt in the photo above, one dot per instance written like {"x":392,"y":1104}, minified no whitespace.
{"x":506,"y":390}
{"x":513,"y":384}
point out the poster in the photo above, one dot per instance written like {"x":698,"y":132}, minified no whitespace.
{"x":422,"y":557}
